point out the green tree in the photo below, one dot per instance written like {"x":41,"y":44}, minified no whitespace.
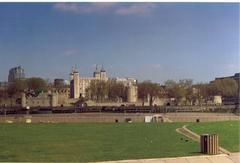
{"x":147,"y":88}
{"x":202,"y":92}
{"x":37,"y":84}
{"x":186,"y":84}
{"x":98,"y":90}
{"x":16,"y":87}
{"x":224,"y":87}
{"x":177,"y":90}
{"x":117,"y":90}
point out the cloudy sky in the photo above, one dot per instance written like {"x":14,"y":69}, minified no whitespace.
{"x":154,"y":41}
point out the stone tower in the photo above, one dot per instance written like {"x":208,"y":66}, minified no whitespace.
{"x":103,"y":74}
{"x":74,"y":83}
{"x":132,"y":93}
{"x":54,"y":100}
{"x":23,"y":100}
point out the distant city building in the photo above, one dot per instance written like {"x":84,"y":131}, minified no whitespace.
{"x":16,"y":73}
{"x":78,"y":84}
{"x":236,"y":77}
{"x":61,"y":82}
{"x":3,"y":85}
{"x":233,"y":100}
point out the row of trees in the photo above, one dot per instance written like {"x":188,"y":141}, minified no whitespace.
{"x":32,"y":85}
{"x":100,"y":90}
{"x":185,"y":89}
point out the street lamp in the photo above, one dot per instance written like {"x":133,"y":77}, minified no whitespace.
{"x":28,"y":120}
{"x":27,"y":110}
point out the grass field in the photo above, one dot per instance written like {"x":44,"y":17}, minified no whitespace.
{"x":229,"y":133}
{"x":92,"y":142}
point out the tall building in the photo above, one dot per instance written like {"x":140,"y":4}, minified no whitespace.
{"x":79,"y":85}
{"x":16,"y":73}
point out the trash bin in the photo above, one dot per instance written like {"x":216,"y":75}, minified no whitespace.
{"x":209,"y":144}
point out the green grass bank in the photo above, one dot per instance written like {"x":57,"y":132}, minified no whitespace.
{"x":228,"y":132}
{"x":92,"y":142}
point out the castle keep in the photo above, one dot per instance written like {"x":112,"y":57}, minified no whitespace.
{"x":78,"y":84}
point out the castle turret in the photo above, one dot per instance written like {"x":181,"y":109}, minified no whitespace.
{"x":96,"y":73}
{"x":54,"y":100}
{"x":74,"y":84}
{"x":71,"y":74}
{"x":23,"y":100}
{"x":103,"y":74}
{"x":132,"y":93}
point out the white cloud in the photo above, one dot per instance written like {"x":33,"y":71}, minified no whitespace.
{"x":136,"y":9}
{"x":70,"y":52}
{"x":157,"y":66}
{"x":114,"y":7}
{"x":103,"y":5}
{"x":83,"y":8}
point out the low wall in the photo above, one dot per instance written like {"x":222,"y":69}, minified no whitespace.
{"x":112,"y":117}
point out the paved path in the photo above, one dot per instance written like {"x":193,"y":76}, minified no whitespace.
{"x":235,"y":157}
{"x":222,"y":158}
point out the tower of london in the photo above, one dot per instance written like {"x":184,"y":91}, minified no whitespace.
{"x":79,"y":84}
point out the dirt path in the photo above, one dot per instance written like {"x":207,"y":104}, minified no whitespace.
{"x":194,"y":136}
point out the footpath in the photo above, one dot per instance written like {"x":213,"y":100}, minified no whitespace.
{"x":221,"y":158}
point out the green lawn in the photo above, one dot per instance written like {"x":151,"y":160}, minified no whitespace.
{"x":229,"y":133}
{"x":92,"y":142}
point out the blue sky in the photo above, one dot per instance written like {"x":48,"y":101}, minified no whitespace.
{"x":149,"y":41}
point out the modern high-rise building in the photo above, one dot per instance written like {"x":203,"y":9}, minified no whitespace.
{"x":16,"y":73}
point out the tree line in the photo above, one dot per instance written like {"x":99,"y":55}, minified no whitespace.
{"x":181,"y":91}
{"x":33,"y":86}
{"x":187,"y":92}
{"x":100,"y":90}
